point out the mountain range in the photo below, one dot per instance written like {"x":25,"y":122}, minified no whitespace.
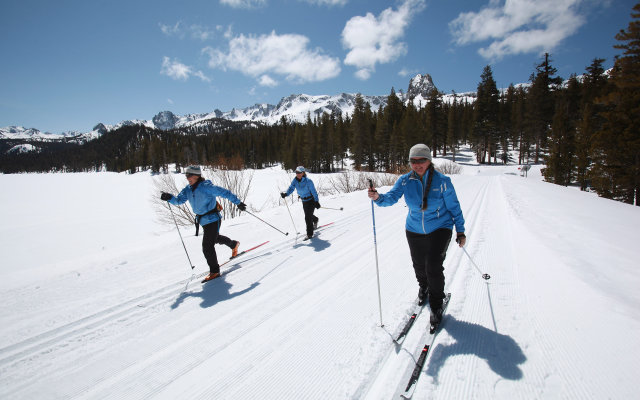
{"x":294,"y":108}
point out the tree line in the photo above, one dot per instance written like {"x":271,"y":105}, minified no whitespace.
{"x":585,"y":129}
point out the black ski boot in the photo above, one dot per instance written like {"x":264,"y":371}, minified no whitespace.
{"x":435,"y":319}
{"x":423,"y":295}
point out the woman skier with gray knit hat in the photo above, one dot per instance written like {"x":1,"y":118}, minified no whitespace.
{"x":201,"y":195}
{"x":433,"y":211}
{"x":307,"y":192}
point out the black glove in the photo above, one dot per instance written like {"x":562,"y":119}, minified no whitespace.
{"x":242,"y":206}
{"x":460,"y":236}
{"x":166,"y":196}
{"x":283,"y":194}
{"x":317,"y":204}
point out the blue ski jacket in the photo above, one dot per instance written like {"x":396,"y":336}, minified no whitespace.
{"x":443,"y":209}
{"x":202,"y":198}
{"x":305,"y":187}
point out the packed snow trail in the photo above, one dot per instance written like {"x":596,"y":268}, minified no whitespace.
{"x":298,"y":319}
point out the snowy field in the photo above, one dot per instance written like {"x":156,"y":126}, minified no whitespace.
{"x":98,"y":299}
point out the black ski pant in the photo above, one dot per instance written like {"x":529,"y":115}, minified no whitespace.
{"x":309,"y":207}
{"x":428,"y":253}
{"x":210,"y":238}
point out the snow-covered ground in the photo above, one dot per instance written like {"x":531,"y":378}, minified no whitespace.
{"x":98,"y":299}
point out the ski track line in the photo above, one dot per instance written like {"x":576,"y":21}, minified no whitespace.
{"x":477,"y":307}
{"x":85,"y":327}
{"x":92,"y":326}
{"x":278,"y":290}
{"x":113,"y":373}
{"x":256,"y":383}
{"x":291,"y":333}
{"x":557,"y":351}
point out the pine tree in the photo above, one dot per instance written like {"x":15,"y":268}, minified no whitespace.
{"x":485,"y":115}
{"x":359,"y":132}
{"x":617,"y":143}
{"x":541,"y":104}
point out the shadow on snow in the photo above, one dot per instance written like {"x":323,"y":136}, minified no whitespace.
{"x":213,"y":292}
{"x":502,"y":353}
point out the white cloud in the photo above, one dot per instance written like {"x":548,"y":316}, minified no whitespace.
{"x":174,"y":30}
{"x":244,"y":3}
{"x":266,"y":55}
{"x":178,"y":71}
{"x":327,"y":2}
{"x":404,"y":72}
{"x":266,"y":80}
{"x":201,"y":32}
{"x":372,"y":40}
{"x":518,"y":26}
{"x":195,"y":31}
{"x":169,"y":101}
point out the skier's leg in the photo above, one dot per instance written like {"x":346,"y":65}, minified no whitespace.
{"x":308,"y":206}
{"x":417,"y":248}
{"x":437,"y":244}
{"x":209,"y":239}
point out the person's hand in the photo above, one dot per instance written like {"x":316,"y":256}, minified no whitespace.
{"x":461,"y":239}
{"x":166,"y":196}
{"x":242,"y":206}
{"x":373,"y":194}
{"x":283,"y":195}
{"x":317,"y":204}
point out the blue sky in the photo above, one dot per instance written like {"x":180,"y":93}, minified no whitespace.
{"x":68,"y":65}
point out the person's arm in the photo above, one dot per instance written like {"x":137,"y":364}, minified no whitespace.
{"x":292,"y":187}
{"x":181,"y":198}
{"x":453,"y":205}
{"x":392,"y":196}
{"x":312,"y":190}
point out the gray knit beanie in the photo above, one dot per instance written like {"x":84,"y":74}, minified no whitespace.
{"x":420,"y":151}
{"x":193,"y":169}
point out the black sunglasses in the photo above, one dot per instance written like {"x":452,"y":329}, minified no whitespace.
{"x":418,"y":161}
{"x":190,"y":175}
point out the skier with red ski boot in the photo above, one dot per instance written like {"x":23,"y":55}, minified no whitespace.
{"x":307,"y":192}
{"x":202,"y":195}
{"x":433,"y":211}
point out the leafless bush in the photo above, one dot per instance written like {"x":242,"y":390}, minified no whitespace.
{"x":183,"y":214}
{"x":448,"y":168}
{"x":351,"y":181}
{"x":238,"y":182}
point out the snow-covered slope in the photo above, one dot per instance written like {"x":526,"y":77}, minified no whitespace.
{"x":98,"y":300}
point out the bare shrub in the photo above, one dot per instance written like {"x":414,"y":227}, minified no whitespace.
{"x":183,"y":214}
{"x":351,"y":181}
{"x":238,"y":182}
{"x":448,"y":168}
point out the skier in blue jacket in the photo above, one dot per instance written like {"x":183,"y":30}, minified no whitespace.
{"x":201,"y":195}
{"x":307,"y":192}
{"x":433,"y":211}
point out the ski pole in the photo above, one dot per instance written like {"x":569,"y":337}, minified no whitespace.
{"x":329,"y":208}
{"x":484,"y":276}
{"x":284,"y":233}
{"x":375,"y":245}
{"x":185,"y":247}
{"x":290,"y":216}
